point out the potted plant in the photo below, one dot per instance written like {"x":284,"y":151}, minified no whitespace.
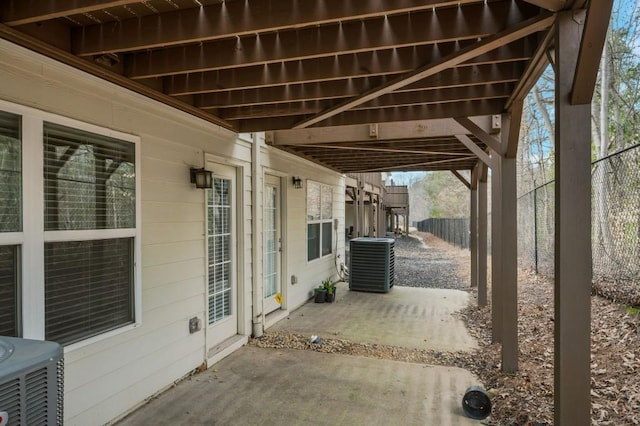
{"x":327,"y":284}
{"x":320,"y":294}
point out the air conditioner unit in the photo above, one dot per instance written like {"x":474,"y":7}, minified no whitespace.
{"x":31,"y":382}
{"x":371,"y":264}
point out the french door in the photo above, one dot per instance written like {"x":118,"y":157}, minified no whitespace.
{"x":222,"y":292}
{"x":272,"y":245}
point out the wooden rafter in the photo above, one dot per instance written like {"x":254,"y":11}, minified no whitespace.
{"x":417,"y":112}
{"x":356,"y":65}
{"x":413,"y":29}
{"x":23,"y":12}
{"x":233,"y":19}
{"x":460,"y":77}
{"x":518,"y":31}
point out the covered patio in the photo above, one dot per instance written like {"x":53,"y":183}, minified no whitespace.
{"x":370,"y":86}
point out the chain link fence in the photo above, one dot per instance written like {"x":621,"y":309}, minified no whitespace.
{"x":615,"y":220}
{"x":454,"y":231}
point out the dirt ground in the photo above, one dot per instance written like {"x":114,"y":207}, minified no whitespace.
{"x":526,"y":398}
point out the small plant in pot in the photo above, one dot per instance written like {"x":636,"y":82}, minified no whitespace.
{"x":320,"y":294}
{"x":331,"y":290}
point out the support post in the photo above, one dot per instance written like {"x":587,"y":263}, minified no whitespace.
{"x":572,"y":282}
{"x":496,"y":250}
{"x":473,"y":225}
{"x":509,"y":247}
{"x":482,"y":237}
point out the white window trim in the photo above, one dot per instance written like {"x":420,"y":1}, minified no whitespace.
{"x":33,"y":236}
{"x":320,"y":221}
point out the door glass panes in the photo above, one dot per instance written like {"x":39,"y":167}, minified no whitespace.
{"x":10,"y":173}
{"x":89,"y":180}
{"x":270,"y":241}
{"x":9,"y":291}
{"x":219,"y":242}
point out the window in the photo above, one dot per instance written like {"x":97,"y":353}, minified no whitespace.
{"x":319,"y":220}
{"x":77,"y":279}
{"x":9,"y":291}
{"x":89,"y":184}
{"x":10,"y":221}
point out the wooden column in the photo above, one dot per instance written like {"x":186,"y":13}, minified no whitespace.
{"x":496,"y":251}
{"x":482,"y":236}
{"x":572,"y":234}
{"x":473,"y":226}
{"x":509,"y":248}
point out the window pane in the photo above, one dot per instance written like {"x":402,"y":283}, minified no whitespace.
{"x":9,"y":291}
{"x":313,"y":241}
{"x":89,"y":180}
{"x":220,"y":228}
{"x":313,"y":200}
{"x":327,"y":203}
{"x":327,"y":233}
{"x":10,"y":173}
{"x":88,"y":288}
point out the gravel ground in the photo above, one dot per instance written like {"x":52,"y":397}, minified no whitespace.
{"x":427,"y":263}
{"x":526,"y":397}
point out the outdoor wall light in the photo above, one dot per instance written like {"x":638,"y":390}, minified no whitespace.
{"x":297,"y":182}
{"x":202,"y":178}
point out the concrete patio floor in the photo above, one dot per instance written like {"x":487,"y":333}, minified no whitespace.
{"x":260,"y":386}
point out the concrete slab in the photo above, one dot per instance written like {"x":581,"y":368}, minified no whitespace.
{"x":409,"y":317}
{"x":257,"y":386}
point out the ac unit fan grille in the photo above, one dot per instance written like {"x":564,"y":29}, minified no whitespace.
{"x":10,"y":400}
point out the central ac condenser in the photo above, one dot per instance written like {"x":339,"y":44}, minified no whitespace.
{"x":371,"y":264}
{"x":31,"y":382}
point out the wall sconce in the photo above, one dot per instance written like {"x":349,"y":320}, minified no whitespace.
{"x":202,"y":178}
{"x":297,"y":182}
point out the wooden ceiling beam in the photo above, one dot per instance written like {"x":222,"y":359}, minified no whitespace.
{"x":402,"y":130}
{"x":432,"y":96}
{"x":21,"y":12}
{"x":42,"y":48}
{"x":455,"y":77}
{"x":516,"y":32}
{"x":551,"y":5}
{"x":449,"y":24}
{"x":422,"y":164}
{"x":232,"y":19}
{"x":422,"y":112}
{"x":353,"y":65}
{"x":357,"y":148}
{"x":392,"y":100}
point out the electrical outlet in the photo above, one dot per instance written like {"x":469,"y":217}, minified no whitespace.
{"x":294,"y":280}
{"x":195,"y":324}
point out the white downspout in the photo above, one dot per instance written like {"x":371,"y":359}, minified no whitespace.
{"x":256,"y":233}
